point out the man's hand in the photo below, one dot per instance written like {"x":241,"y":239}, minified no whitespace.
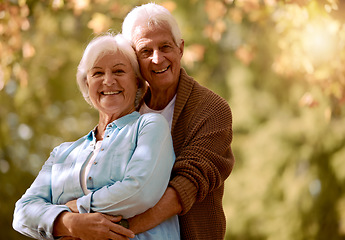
{"x":90,"y":226}
{"x":168,"y":206}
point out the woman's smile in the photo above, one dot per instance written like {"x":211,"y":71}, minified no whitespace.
{"x":112,"y":85}
{"x":111,"y":93}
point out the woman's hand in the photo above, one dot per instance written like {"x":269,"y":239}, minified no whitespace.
{"x":90,"y":226}
{"x":73,"y":206}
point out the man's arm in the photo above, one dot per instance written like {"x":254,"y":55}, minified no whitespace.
{"x":168,"y":206}
{"x":202,"y":144}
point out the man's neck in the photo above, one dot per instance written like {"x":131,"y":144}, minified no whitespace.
{"x":158,"y":100}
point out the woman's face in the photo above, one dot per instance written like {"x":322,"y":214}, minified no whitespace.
{"x":112,"y":85}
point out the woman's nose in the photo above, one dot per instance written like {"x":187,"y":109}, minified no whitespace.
{"x":109,"y":79}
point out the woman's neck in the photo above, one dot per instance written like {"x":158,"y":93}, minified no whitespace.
{"x":104,"y":120}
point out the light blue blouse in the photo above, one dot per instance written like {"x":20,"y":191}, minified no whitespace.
{"x":128,"y":176}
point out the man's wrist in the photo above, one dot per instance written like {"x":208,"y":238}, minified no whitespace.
{"x":175,"y":200}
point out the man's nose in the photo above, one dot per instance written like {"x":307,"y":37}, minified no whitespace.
{"x":157,"y":56}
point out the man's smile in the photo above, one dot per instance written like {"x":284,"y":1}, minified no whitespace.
{"x":162,"y":70}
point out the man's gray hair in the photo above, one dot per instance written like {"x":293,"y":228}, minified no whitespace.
{"x":150,"y":15}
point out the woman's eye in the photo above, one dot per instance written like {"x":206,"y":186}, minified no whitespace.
{"x":96,"y":74}
{"x":119,"y":71}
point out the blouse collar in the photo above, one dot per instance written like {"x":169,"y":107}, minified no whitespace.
{"x":118,"y":123}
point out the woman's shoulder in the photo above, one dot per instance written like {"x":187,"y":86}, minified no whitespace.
{"x":153,"y":118}
{"x":67,"y":145}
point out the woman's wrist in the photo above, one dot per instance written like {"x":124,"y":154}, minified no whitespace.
{"x":63,"y":224}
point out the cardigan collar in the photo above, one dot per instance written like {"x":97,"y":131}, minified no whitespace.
{"x":184,"y":90}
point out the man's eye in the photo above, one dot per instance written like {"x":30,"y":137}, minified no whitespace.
{"x":145,"y":53}
{"x":165,"y":47}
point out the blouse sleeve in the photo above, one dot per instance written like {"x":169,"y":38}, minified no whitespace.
{"x":146,"y":176}
{"x":34,"y":213}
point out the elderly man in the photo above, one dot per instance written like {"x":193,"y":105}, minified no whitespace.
{"x":201,"y":127}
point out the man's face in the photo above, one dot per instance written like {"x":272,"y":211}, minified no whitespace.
{"x":159,"y":57}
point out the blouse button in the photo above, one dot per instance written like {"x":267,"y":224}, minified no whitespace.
{"x":90,"y":178}
{"x":94,"y":163}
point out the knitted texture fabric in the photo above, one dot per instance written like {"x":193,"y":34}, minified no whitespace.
{"x":202,"y":135}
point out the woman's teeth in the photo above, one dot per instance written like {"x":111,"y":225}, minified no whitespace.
{"x":110,"y":93}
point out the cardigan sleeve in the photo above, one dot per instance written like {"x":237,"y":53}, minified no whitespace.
{"x":204,"y":160}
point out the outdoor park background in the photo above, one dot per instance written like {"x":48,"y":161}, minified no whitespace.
{"x":279,"y":64}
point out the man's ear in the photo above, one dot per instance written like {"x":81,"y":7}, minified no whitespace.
{"x":181,"y":47}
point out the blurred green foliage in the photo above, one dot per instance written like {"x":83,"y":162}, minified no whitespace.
{"x":280,"y":64}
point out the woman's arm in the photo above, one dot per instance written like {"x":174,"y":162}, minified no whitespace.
{"x":168,"y":206}
{"x":90,"y":226}
{"x":34,"y":213}
{"x":35,"y":216}
{"x":146,"y":176}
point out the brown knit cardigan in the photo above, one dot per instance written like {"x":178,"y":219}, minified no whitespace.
{"x":202,"y":134}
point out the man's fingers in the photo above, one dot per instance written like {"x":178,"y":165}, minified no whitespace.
{"x":115,"y":236}
{"x":113,"y":218}
{"x":118,"y":220}
{"x":116,"y":228}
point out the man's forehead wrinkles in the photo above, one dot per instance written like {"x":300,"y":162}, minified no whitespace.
{"x":142,"y":42}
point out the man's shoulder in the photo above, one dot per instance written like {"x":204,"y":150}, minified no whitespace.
{"x":207,"y":97}
{"x":199,"y":98}
{"x":196,"y":88}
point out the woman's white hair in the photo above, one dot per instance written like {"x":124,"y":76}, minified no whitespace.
{"x":100,"y":46}
{"x":150,"y":15}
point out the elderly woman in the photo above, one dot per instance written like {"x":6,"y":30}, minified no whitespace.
{"x":122,"y":167}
